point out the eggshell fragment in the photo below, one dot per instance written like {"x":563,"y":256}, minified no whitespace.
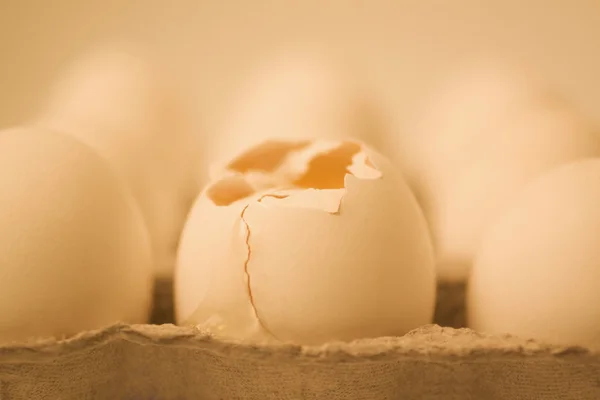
{"x":297,"y":95}
{"x":339,"y":252}
{"x":126,"y":107}
{"x":74,"y":250}
{"x":536,"y":274}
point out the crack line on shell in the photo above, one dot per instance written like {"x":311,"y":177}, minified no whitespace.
{"x":249,"y":255}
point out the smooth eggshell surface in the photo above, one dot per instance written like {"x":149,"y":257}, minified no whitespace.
{"x":308,"y":265}
{"x":74,"y":250}
{"x":515,"y":153}
{"x":537,"y":274}
{"x":118,"y":102}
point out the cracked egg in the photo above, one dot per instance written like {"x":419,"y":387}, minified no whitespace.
{"x":305,"y":242}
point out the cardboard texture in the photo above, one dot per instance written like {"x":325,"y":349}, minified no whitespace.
{"x":163,"y":362}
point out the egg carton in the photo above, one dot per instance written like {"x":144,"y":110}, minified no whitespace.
{"x":164,"y":362}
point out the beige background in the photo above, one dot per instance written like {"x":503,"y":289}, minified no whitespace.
{"x":405,"y":45}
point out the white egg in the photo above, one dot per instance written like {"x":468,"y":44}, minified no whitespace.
{"x":74,"y":249}
{"x":295,"y":95}
{"x":537,"y":274}
{"x":487,"y":138}
{"x":501,"y":166}
{"x":332,"y":247}
{"x":121,"y":104}
{"x":472,"y":100}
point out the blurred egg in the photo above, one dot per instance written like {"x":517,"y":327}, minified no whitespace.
{"x":74,"y":249}
{"x":471,"y":101}
{"x":320,"y":241}
{"x":124,"y":105}
{"x":297,"y":95}
{"x":516,"y":153}
{"x":489,"y":134}
{"x":537,"y":273}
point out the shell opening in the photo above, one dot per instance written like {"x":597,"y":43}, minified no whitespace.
{"x":280,"y":165}
{"x":265,"y":157}
{"x":328,"y":170}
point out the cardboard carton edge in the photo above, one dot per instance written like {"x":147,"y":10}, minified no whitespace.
{"x":430,"y":342}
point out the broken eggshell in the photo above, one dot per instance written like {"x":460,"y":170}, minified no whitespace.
{"x":332,"y":247}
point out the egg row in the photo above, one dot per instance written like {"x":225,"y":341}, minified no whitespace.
{"x":303,"y":232}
